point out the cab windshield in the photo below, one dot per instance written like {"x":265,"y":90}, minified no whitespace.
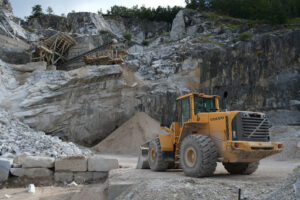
{"x":204,"y":104}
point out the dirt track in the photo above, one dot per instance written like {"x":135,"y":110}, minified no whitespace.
{"x":220,"y":185}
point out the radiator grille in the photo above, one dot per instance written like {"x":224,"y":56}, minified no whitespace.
{"x":251,"y":127}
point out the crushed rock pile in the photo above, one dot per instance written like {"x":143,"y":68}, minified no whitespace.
{"x":127,"y":138}
{"x":290,"y":137}
{"x":16,"y":138}
{"x":284,"y":190}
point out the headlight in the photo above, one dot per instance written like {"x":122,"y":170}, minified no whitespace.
{"x":234,"y":134}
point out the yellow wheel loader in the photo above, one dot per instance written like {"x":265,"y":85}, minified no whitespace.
{"x":202,"y":136}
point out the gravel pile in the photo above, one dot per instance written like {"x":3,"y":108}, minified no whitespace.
{"x":284,"y":190}
{"x":16,"y":138}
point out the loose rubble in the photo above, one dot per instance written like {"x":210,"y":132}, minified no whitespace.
{"x":16,"y":138}
{"x":284,"y":190}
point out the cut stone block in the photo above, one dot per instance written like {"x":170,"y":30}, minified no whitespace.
{"x":84,"y":177}
{"x":72,"y":164}
{"x":19,"y":159}
{"x":38,"y":162}
{"x":100,"y":164}
{"x":63,"y":177}
{"x":31,"y":172}
{"x":99,"y":175}
{"x":5,"y":165}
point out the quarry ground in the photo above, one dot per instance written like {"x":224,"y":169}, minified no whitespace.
{"x":269,"y":174}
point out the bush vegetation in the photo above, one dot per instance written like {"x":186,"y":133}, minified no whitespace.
{"x":271,"y":11}
{"x":145,"y":43}
{"x":245,"y":36}
{"x":154,"y":14}
{"x":127,"y":36}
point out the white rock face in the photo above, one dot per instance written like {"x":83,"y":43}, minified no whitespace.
{"x":100,"y":164}
{"x":38,"y":162}
{"x":71,"y":164}
{"x":5,"y":165}
{"x":31,"y":172}
{"x":30,"y":67}
{"x":70,"y":104}
{"x":8,"y":27}
{"x":87,"y":23}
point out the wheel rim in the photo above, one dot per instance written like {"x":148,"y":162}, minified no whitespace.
{"x":190,"y":156}
{"x":152,"y":155}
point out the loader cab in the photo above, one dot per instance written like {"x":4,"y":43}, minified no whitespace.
{"x":191,"y":104}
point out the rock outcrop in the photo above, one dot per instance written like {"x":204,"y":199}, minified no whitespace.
{"x":44,"y":22}
{"x":87,"y":23}
{"x":139,"y":29}
{"x":5,"y":4}
{"x":82,"y":105}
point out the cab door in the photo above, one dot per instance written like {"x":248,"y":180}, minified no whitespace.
{"x":183,"y":110}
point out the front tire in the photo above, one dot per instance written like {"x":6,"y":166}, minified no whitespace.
{"x":155,"y":157}
{"x":241,"y":168}
{"x":198,"y":156}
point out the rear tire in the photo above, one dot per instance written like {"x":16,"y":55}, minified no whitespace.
{"x":241,"y":168}
{"x":198,"y":156}
{"x":155,"y":157}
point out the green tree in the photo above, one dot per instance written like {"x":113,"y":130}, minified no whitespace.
{"x":49,"y":10}
{"x":36,"y":12}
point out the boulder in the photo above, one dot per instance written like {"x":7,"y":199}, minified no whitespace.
{"x":5,"y":165}
{"x":71,"y":164}
{"x":38,"y":162}
{"x":100,"y":164}
{"x":31,"y":172}
{"x":64,"y":177}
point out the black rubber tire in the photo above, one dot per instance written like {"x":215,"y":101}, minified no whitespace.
{"x":206,"y":156}
{"x":241,"y":168}
{"x":157,"y":164}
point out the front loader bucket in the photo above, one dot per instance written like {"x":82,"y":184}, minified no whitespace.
{"x":143,"y":157}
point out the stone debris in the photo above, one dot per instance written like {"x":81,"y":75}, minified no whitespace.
{"x":285,"y":190}
{"x":17,"y":138}
{"x":73,"y":184}
{"x":31,"y":188}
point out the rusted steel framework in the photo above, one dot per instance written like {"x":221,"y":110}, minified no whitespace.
{"x":53,"y":49}
{"x":113,"y":55}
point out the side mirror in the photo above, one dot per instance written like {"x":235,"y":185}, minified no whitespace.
{"x":225,"y":95}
